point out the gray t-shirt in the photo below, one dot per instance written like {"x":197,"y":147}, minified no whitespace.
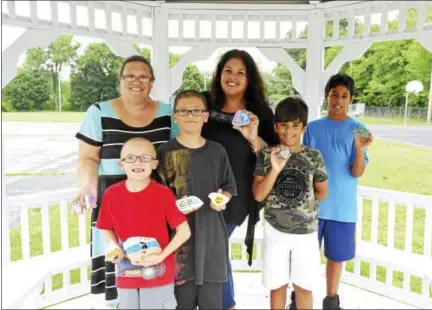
{"x":291,"y":206}
{"x":199,"y":172}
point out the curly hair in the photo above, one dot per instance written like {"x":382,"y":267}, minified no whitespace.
{"x":255,"y":92}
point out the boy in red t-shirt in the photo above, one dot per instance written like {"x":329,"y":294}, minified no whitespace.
{"x":141,"y":207}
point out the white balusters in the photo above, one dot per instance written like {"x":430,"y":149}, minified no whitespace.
{"x":428,"y":233}
{"x":54,"y":13}
{"x":123,"y":15}
{"x":278,"y":23}
{"x":91,"y":15}
{"x":421,"y":15}
{"x":391,"y":224}
{"x":368,"y":21}
{"x":64,"y":225}
{"x":374,"y":222}
{"x":82,"y":226}
{"x":336,"y":18}
{"x":197,"y":27}
{"x":294,"y":29}
{"x":245,"y":27}
{"x":384,"y":18}
{"x":180,"y":24}
{"x":351,"y":24}
{"x":402,"y":17}
{"x":359,"y":227}
{"x":262,"y":24}
{"x":46,"y":236}
{"x":11,"y":9}
{"x":409,"y":227}
{"x":25,"y":234}
{"x":33,"y":13}
{"x":73,"y":14}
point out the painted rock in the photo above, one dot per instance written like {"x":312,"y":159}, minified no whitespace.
{"x":241,"y":118}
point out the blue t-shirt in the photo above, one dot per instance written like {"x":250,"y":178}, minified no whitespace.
{"x":335,"y":141}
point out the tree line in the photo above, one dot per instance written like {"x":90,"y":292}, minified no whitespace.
{"x":380,"y":74}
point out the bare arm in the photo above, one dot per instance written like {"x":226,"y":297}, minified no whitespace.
{"x":88,"y":162}
{"x":262,"y":186}
{"x":321,"y":190}
{"x":358,"y":167}
{"x":111,"y":238}
{"x":182,"y":234}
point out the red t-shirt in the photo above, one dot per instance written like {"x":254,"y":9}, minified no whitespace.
{"x":144,"y":214}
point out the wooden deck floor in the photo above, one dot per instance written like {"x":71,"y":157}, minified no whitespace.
{"x":250,"y":294}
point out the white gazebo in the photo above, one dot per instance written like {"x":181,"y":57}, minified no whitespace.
{"x":27,"y":283}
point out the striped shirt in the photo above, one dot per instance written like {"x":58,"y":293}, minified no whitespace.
{"x":102,"y":127}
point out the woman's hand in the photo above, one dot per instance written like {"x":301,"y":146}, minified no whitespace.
{"x":79,"y":202}
{"x":250,"y":131}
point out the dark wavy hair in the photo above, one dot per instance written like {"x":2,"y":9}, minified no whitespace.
{"x":255,"y":91}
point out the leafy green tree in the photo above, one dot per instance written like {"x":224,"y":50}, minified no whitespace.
{"x":28,"y":91}
{"x":94,"y":76}
{"x":61,"y":52}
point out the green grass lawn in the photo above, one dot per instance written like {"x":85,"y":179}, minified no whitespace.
{"x":393,"y":165}
{"x":369,"y":120}
{"x":70,"y":117}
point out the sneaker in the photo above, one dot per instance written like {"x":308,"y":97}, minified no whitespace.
{"x":331,"y":303}
{"x":292,"y":305}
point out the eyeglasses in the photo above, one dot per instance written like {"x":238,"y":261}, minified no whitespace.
{"x":132,"y":78}
{"x":195,"y":112}
{"x":132,"y":159}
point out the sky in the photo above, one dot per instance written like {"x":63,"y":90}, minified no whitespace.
{"x":10,"y":33}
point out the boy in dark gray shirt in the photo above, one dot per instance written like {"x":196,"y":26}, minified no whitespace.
{"x":193,"y":166}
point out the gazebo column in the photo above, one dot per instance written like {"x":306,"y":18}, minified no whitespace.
{"x":29,"y":39}
{"x":312,"y":88}
{"x":195,"y":54}
{"x":160,"y":55}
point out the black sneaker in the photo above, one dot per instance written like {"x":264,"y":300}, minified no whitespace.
{"x":331,"y":303}
{"x":292,"y":305}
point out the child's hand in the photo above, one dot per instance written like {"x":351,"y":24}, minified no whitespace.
{"x":217,"y":207}
{"x":362,"y":143}
{"x":277,"y":161}
{"x":118,"y":258}
{"x":148,"y":260}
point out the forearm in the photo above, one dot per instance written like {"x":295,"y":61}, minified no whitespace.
{"x":263,"y":188}
{"x":258,"y":143}
{"x":88,"y":171}
{"x":359,"y":165}
{"x":110,"y":237}
{"x":182,"y":234}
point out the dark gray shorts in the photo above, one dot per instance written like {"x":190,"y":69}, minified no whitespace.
{"x":205,"y":296}
{"x":161,"y":297}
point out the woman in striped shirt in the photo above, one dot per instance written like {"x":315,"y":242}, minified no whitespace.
{"x":106,"y":127}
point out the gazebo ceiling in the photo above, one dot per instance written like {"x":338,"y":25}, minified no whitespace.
{"x":249,"y":1}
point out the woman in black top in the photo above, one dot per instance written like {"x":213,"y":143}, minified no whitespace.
{"x":237,"y":85}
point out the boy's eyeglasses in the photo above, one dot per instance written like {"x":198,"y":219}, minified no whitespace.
{"x":132,"y":159}
{"x":132,"y":78}
{"x":195,"y":112}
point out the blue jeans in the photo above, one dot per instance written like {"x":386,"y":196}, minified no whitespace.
{"x":228,"y":287}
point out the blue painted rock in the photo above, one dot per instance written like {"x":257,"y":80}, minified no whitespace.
{"x":241,"y":118}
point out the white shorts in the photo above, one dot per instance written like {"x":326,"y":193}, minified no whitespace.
{"x":290,"y":256}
